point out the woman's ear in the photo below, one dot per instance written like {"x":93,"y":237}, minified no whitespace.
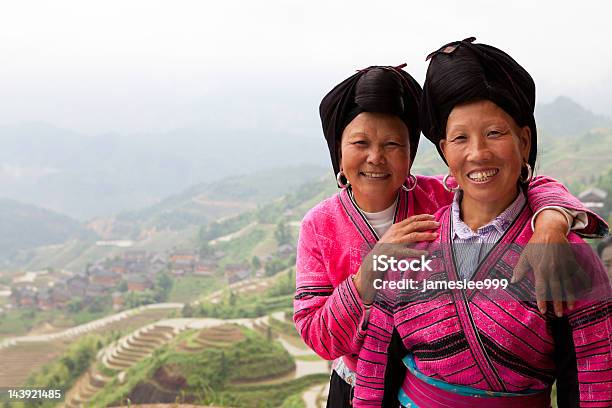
{"x":525,"y":142}
{"x":442,"y":144}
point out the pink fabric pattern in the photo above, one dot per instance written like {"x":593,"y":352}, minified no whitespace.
{"x":464,"y":337}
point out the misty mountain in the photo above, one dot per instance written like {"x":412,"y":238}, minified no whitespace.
{"x":207,"y":202}
{"x":91,"y":176}
{"x":564,"y":117}
{"x":25,"y":226}
{"x":87,"y":176}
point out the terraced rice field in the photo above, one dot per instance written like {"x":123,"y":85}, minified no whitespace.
{"x":21,"y":357}
{"x":127,"y":351}
{"x":119,"y":357}
{"x":216,"y":336}
{"x":21,"y":360}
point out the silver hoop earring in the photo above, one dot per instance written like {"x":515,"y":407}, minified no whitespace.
{"x":446,"y":187}
{"x":339,"y":180}
{"x":413,"y":183}
{"x":527,"y":179}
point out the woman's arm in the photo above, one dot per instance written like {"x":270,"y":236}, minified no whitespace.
{"x":330,"y":320}
{"x":543,"y":192}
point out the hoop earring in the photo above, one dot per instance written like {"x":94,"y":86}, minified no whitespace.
{"x":446,"y":187}
{"x":339,"y":181}
{"x":527,"y":179}
{"x":412,"y":178}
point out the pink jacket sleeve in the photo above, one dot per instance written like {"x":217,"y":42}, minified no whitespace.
{"x":329,"y":319}
{"x":544,"y":191}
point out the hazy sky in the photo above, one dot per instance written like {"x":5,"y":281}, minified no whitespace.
{"x":143,"y":65}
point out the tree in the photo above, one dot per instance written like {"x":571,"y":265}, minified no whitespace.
{"x":273,"y":266}
{"x":206,"y":250}
{"x":256,"y":263}
{"x":122,"y":286}
{"x":282,"y":233}
{"x":187,"y":310}
{"x":163,"y":286}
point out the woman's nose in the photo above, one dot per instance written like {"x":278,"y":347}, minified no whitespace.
{"x":376,"y":155}
{"x":479,"y":150}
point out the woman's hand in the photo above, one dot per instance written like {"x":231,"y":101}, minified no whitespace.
{"x":550,"y":255}
{"x":413,"y":229}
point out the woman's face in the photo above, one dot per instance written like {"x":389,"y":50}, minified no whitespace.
{"x":375,"y":158}
{"x":485,"y":150}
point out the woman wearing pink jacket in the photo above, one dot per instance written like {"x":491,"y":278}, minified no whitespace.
{"x":370,"y":122}
{"x":482,"y":346}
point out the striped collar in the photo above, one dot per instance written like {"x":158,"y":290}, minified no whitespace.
{"x":498,"y":225}
{"x":359,"y":219}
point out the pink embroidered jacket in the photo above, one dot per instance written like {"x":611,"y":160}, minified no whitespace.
{"x":334,"y":236}
{"x":498,"y":343}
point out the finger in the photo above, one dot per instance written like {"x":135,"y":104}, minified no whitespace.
{"x":419,"y":236}
{"x":521,"y":269}
{"x":419,"y":226}
{"x":557,"y":296}
{"x":414,"y":218}
{"x":570,"y":272}
{"x":541,"y":288}
{"x":569,"y":293}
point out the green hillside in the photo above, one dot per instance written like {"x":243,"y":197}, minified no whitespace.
{"x":217,"y":366}
{"x":26,"y":226}
{"x":579,"y":160}
{"x":177,"y":221}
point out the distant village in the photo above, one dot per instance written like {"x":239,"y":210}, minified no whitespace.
{"x":134,"y":271}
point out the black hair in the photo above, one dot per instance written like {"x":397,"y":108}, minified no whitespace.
{"x":463,"y":72}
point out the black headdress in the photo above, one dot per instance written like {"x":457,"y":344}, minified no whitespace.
{"x":375,"y":89}
{"x":461,"y":72}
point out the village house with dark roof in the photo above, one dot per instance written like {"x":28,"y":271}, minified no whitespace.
{"x":138,"y":283}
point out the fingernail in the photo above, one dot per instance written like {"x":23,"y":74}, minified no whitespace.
{"x":559,"y":314}
{"x":513,"y":280}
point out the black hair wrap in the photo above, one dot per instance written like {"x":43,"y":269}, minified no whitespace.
{"x":379,"y":89}
{"x":461,"y":72}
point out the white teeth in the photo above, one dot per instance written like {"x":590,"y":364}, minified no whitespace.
{"x":482,"y":175}
{"x":375,"y":175}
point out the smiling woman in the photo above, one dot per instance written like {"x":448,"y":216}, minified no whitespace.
{"x":371,"y":125}
{"x":466,"y":347}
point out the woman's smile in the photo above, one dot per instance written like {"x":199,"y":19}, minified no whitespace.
{"x":482,"y":176}
{"x":375,"y":175}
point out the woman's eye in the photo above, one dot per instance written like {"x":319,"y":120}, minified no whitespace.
{"x":360,"y":142}
{"x":459,"y":138}
{"x":494,"y":133}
